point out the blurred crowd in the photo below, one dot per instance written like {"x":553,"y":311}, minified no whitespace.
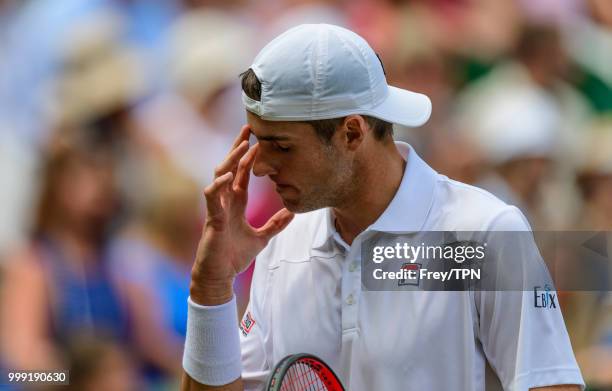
{"x":114,"y":113}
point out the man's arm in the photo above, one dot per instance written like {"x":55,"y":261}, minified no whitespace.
{"x":210,"y":295}
{"x":227,"y":247}
{"x":526,"y":344}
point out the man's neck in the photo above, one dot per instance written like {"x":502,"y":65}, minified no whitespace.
{"x":382,"y":178}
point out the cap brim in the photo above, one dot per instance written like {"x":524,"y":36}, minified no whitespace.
{"x":404,"y":107}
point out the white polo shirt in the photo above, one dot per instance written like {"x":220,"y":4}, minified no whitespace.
{"x":306,"y":297}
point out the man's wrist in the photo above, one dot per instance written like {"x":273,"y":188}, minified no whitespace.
{"x":211,"y":292}
{"x":212,"y":346}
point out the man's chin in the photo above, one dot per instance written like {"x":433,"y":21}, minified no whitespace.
{"x":296,"y":206}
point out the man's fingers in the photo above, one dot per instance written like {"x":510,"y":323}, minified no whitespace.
{"x":244,"y":134}
{"x":276,"y":224}
{"x":211,"y":192}
{"x":241,"y":183}
{"x":231,"y":160}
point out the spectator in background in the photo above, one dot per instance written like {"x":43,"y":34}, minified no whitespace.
{"x":594,"y":177}
{"x":516,"y":135}
{"x":588,"y":314}
{"x":101,"y":80}
{"x":539,"y":63}
{"x":89,"y":79}
{"x":538,"y":70}
{"x":192,"y":120}
{"x":60,"y":287}
{"x":153,"y":257}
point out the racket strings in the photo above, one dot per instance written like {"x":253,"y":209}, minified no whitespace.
{"x":302,"y":377}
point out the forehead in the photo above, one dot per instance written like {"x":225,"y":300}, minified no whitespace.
{"x":278,"y":130}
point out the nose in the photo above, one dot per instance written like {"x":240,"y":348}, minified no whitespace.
{"x":263,"y":165}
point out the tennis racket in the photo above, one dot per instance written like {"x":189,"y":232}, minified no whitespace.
{"x":303,"y":372}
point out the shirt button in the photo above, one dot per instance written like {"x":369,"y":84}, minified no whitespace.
{"x":350,"y":300}
{"x":353,"y":267}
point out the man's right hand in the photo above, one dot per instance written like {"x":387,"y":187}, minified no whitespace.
{"x":229,"y":243}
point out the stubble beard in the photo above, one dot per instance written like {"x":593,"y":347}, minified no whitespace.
{"x":334,"y":190}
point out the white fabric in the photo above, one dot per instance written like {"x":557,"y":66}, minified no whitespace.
{"x":322,"y":71}
{"x":306,"y":296}
{"x":212,"y":349}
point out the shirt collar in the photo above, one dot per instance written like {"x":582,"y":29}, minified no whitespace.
{"x":409,"y":208}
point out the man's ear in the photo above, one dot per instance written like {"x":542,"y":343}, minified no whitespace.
{"x":355,"y":129}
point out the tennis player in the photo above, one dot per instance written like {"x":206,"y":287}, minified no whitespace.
{"x":319,"y":105}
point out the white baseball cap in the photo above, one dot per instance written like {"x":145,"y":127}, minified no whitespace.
{"x":322,"y":71}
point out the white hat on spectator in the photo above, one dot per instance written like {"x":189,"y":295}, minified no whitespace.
{"x":520,"y":123}
{"x":209,"y":49}
{"x":99,"y":72}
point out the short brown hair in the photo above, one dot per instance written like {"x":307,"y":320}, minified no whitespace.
{"x":325,"y":128}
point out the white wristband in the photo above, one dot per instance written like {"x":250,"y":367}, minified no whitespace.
{"x":212,"y":344}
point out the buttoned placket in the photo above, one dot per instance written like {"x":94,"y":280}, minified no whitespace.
{"x":350,"y":296}
{"x":351,"y":283}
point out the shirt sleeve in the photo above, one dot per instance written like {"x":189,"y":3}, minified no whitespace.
{"x":253,"y":331}
{"x":522,"y":330}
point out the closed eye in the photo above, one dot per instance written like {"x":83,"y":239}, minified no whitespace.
{"x":281,"y":148}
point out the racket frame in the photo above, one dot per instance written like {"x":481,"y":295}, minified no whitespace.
{"x":325,"y":373}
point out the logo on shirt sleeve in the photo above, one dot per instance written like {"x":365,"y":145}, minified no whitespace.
{"x":247,"y":323}
{"x":543,"y":297}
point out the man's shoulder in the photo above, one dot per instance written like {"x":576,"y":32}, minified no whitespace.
{"x":463,"y":207}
